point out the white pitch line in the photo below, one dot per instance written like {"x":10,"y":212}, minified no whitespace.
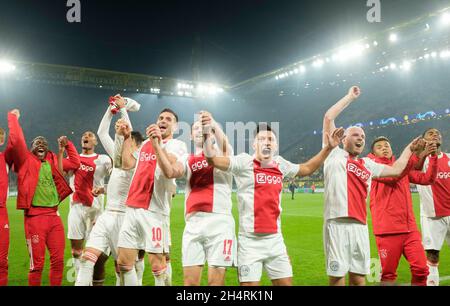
{"x":441,"y":279}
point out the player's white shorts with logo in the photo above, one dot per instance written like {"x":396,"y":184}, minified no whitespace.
{"x":256,"y":252}
{"x":143,"y":229}
{"x":209,"y":237}
{"x":105,"y":233}
{"x":347,"y":247}
{"x":81,"y":220}
{"x":434,"y":232}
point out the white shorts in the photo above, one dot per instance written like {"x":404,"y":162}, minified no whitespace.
{"x":81,"y":220}
{"x":209,"y":237}
{"x":145,"y":230}
{"x":105,"y":233}
{"x":256,"y":252}
{"x":347,"y":247}
{"x":434,"y":232}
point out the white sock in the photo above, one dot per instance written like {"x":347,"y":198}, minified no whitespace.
{"x":85,"y":273}
{"x":129,"y":278}
{"x":140,"y":267}
{"x":76,"y":263}
{"x":160,"y":277}
{"x":117,"y":279}
{"x":169,"y":274}
{"x":433,"y":277}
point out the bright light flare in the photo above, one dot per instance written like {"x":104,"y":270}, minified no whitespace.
{"x":6,"y":66}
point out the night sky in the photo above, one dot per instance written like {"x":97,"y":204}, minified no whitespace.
{"x":232,"y":40}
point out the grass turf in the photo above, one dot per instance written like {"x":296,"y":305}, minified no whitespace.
{"x":302,"y":223}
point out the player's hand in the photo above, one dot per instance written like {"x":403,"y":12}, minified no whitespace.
{"x":207,"y":122}
{"x":335,"y":138}
{"x":122,"y":128}
{"x":98,"y":191}
{"x":154,"y":133}
{"x":16,"y":112}
{"x":354,"y":92}
{"x":418,"y":146}
{"x":431,"y":148}
{"x":120,"y":101}
{"x":62,"y":143}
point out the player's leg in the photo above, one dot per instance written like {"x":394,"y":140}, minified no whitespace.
{"x":221,"y":246}
{"x":99,"y":270}
{"x":355,"y":279}
{"x":168,"y":281}
{"x":336,"y":281}
{"x":192,"y":275}
{"x":336,"y":247}
{"x":159,"y":267}
{"x":250,"y":261}
{"x":415,"y":255}
{"x":35,"y":231}
{"x":278,"y":267}
{"x":56,"y":243}
{"x":76,"y":225}
{"x":193,"y":251}
{"x":434,"y":231}
{"x":390,"y":250}
{"x":4,"y":246}
{"x":131,"y":239}
{"x":140,"y":266}
{"x":360,"y":253}
{"x":168,"y":244}
{"x":87,"y":263}
{"x":125,"y":261}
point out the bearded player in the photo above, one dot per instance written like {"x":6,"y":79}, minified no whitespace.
{"x":147,"y":219}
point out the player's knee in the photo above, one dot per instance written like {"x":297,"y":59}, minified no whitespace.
{"x":123,"y":268}
{"x":420,"y":271}
{"x":77,"y":253}
{"x":433,"y":256}
{"x":89,"y":256}
{"x":158,"y":269}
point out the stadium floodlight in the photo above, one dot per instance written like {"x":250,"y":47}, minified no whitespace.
{"x":406,"y":65}
{"x":393,"y":37}
{"x":302,"y":69}
{"x":433,"y":54}
{"x":426,"y":56}
{"x":6,"y":66}
{"x":375,"y":43}
{"x":445,"y":19}
{"x":393,"y":66}
{"x":318,"y":63}
{"x":296,"y":70}
{"x":445,"y":54}
{"x":277,"y":77}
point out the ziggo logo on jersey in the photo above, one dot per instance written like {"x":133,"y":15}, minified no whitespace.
{"x":199,"y":165}
{"x":358,"y":172}
{"x":262,"y":178}
{"x":443,"y":175}
{"x":146,"y":157}
{"x":86,"y":168}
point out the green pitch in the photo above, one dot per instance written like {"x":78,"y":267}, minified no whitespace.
{"x":302,"y":229}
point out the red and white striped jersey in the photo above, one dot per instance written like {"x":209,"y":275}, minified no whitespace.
{"x":435,"y":199}
{"x":347,"y":184}
{"x":91,"y":173}
{"x":149,"y":188}
{"x":207,"y":189}
{"x":259,"y":192}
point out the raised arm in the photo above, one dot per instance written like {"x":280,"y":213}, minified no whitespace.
{"x":17,"y":147}
{"x":429,"y":177}
{"x":397,"y":168}
{"x":71,"y":163}
{"x":330,"y":116}
{"x":331,"y":142}
{"x":220,"y":137}
{"x":103,"y":132}
{"x":168,"y":163}
{"x":219,"y":162}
